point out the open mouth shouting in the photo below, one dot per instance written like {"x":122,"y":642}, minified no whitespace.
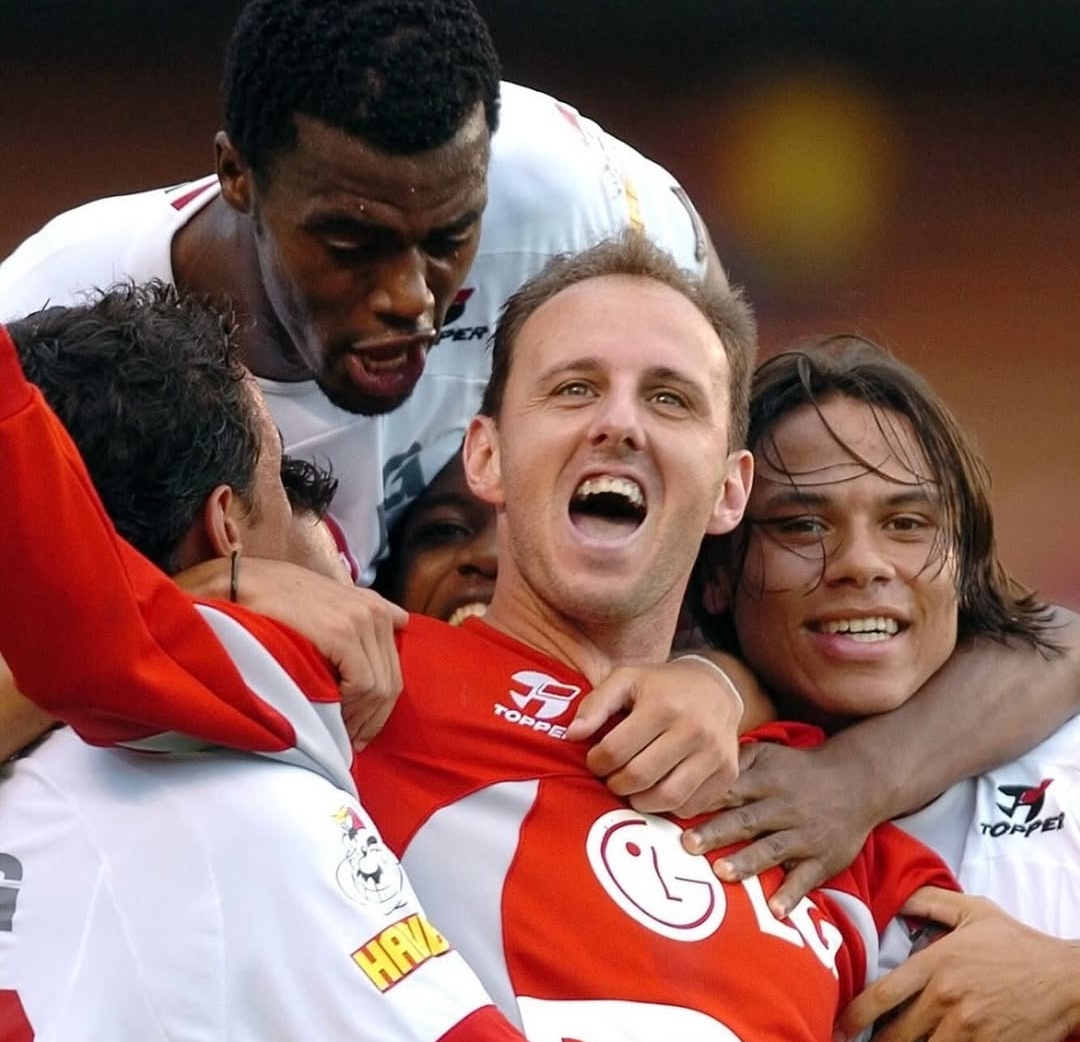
{"x":608,"y":508}
{"x":388,"y":368}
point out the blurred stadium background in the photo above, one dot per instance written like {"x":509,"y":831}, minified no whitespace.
{"x":908,"y":170}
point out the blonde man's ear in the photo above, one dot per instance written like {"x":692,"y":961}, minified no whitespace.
{"x":734,"y":494}
{"x":482,"y":462}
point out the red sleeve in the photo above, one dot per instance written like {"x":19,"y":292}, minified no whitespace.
{"x":93,"y":632}
{"x":892,"y":866}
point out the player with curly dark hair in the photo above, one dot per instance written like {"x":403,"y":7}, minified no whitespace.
{"x":404,"y":75}
{"x":150,"y":382}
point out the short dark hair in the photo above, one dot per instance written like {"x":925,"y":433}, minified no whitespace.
{"x":404,"y":75}
{"x":149,"y":384}
{"x":309,"y":487}
{"x":633,"y":253}
{"x":991,"y":602}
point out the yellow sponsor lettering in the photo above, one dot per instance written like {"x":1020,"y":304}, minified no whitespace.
{"x":377,"y":964}
{"x":437,"y":944}
{"x":399,"y":950}
{"x":424,"y":935}
{"x":400,"y":946}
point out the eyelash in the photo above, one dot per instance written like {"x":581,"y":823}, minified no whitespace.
{"x":448,"y":245}
{"x":439,"y":533}
{"x":817,"y":527}
{"x":677,"y":400}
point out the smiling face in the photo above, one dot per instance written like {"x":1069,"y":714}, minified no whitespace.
{"x":847,"y":597}
{"x":447,"y":559}
{"x":360,"y":252}
{"x":608,"y":460}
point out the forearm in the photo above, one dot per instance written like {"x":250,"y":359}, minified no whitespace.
{"x":988,"y":704}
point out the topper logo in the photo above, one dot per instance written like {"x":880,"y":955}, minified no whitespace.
{"x":541,"y":696}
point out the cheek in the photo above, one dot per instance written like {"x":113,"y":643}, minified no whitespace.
{"x":280,"y":286}
{"x":283,"y":522}
{"x":421,"y":580}
{"x":943,"y":615}
{"x":444,"y":278}
{"x":297,"y":277}
{"x":452,"y":272}
{"x":769,"y":568}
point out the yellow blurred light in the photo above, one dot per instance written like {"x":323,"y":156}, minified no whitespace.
{"x":809,"y":164}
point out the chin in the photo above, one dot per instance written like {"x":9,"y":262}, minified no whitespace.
{"x":351,"y":399}
{"x":865,"y":703}
{"x":833,"y":709}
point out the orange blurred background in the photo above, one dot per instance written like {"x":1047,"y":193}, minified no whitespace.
{"x":911,"y":172}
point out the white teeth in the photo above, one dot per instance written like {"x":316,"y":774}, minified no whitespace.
{"x":624,"y":487}
{"x":879,"y":627}
{"x":467,"y":611}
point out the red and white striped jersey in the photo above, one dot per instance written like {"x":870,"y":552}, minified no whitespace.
{"x":585,"y":919}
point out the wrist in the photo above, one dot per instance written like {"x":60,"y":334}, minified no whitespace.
{"x":883,"y":793}
{"x":722,"y":675}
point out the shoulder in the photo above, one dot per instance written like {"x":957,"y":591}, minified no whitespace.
{"x":559,"y":182}
{"x":238,"y":863}
{"x":97,"y":244}
{"x":109,"y":865}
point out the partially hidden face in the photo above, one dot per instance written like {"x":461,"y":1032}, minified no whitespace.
{"x":847,"y":597}
{"x":264,"y":528}
{"x":447,"y":558}
{"x":361,"y":253}
{"x":609,"y":458}
{"x":312,"y":546}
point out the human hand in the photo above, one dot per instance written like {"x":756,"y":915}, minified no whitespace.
{"x":801,"y":808}
{"x":992,"y":979}
{"x":353,"y":628}
{"x":677,"y":749}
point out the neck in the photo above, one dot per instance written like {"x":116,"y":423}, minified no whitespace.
{"x":593,"y":647}
{"x":214,"y":254}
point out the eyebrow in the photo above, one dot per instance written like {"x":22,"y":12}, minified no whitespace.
{"x":803,"y":498}
{"x":343,"y":223}
{"x":442,"y":499}
{"x":658,"y":373}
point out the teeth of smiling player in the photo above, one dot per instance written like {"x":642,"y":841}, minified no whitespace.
{"x":877,"y":628}
{"x":467,"y":611}
{"x":630,"y":490}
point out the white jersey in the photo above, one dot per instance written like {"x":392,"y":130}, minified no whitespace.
{"x":1013,"y":833}
{"x":557,"y":183}
{"x":205,"y":898}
